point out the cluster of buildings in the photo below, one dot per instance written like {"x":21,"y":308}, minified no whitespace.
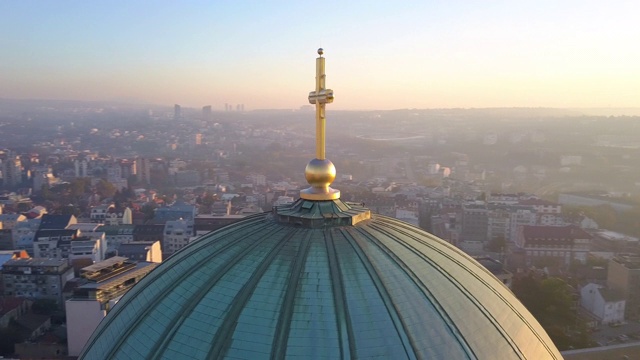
{"x":84,"y":264}
{"x":525,"y":232}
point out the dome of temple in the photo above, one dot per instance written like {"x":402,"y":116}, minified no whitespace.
{"x":320,"y":279}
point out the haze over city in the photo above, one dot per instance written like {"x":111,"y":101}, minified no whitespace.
{"x":409,"y":54}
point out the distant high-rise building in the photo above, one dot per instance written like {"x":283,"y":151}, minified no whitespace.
{"x":177,"y":234}
{"x":206,"y":113}
{"x":144,"y":170}
{"x":198,"y":139}
{"x":474,"y":223}
{"x":177,"y":112}
{"x":128,"y":168}
{"x":11,"y":171}
{"x":81,"y":168}
{"x":42,"y":176}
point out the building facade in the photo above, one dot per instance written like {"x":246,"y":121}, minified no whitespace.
{"x":36,"y":278}
{"x":624,"y":275}
{"x":177,"y":234}
{"x":564,"y":244}
{"x":607,"y":305}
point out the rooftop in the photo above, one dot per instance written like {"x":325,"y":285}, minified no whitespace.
{"x":554,"y":232}
{"x":138,"y":269}
{"x":33,"y":262}
{"x":610,"y":294}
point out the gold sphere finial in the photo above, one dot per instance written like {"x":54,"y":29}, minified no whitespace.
{"x":320,"y":174}
{"x":320,"y":51}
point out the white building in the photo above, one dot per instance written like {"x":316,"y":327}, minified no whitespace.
{"x":54,"y":243}
{"x":87,"y":248}
{"x":100,"y":212}
{"x":117,"y":235}
{"x":283,"y":200}
{"x":499,"y":224}
{"x":176,"y":235}
{"x":23,"y":234}
{"x":93,"y":233}
{"x":551,"y":220}
{"x":81,"y":168}
{"x":407,"y":215}
{"x":42,"y":176}
{"x":607,"y":305}
{"x":520,"y":218}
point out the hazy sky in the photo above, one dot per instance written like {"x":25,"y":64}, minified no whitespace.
{"x":396,"y":54}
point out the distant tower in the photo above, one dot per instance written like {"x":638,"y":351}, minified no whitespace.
{"x":198,"y":139}
{"x":11,"y":171}
{"x":206,"y":113}
{"x":144,"y":170}
{"x":128,"y":168}
{"x":238,"y":107}
{"x":177,"y":112}
{"x":226,"y":107}
{"x":81,"y":168}
{"x":127,"y":217}
{"x":41,"y":176}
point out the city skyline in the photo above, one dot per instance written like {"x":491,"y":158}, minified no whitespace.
{"x":383,"y":56}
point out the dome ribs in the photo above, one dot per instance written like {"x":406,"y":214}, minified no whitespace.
{"x":300,"y":282}
{"x":150,"y":281}
{"x":345,"y":328}
{"x":223,"y":336}
{"x":382,"y":290}
{"x":398,"y":226}
{"x":286,"y":310}
{"x":410,"y":231}
{"x":424,"y":288}
{"x":195,"y":299}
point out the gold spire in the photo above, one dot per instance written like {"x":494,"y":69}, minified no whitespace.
{"x":320,"y":171}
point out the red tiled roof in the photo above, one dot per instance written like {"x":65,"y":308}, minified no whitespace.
{"x":554,"y":232}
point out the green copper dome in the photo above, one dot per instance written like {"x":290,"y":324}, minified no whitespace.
{"x":319,"y":279}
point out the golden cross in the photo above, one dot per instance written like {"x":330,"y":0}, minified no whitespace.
{"x":319,"y":98}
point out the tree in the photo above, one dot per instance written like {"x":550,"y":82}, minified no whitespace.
{"x":105,"y":189}
{"x":497,"y":244}
{"x":44,"y":306}
{"x":550,"y":301}
{"x":79,"y":187}
{"x":148,"y":210}
{"x":69,"y":210}
{"x":8,"y":338}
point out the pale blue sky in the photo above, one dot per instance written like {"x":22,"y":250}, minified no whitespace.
{"x":422,"y":54}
